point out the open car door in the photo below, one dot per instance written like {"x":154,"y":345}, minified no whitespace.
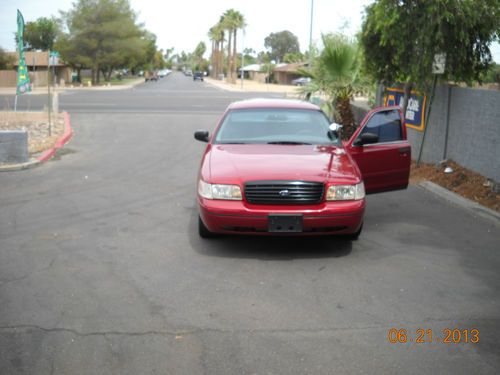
{"x":381,"y":150}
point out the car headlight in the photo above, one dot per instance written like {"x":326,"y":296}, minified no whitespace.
{"x":219,"y":191}
{"x":345,"y":192}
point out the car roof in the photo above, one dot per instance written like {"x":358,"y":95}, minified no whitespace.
{"x":273,"y":103}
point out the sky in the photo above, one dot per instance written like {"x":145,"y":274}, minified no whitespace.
{"x":182,"y":24}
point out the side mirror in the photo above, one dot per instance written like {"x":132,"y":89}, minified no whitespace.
{"x":334,"y":130}
{"x":365,"y":139}
{"x":334,"y":127}
{"x":202,"y":135}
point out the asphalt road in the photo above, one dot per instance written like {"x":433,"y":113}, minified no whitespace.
{"x":102,"y":270}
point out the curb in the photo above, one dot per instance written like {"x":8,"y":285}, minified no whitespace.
{"x":47,"y":155}
{"x":68,"y":133}
{"x":222,"y":86}
{"x":17,"y":167}
{"x":474,"y":208}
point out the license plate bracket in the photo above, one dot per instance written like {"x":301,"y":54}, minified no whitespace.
{"x":285,"y":223}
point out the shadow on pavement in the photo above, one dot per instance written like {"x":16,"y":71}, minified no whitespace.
{"x":267,"y":248}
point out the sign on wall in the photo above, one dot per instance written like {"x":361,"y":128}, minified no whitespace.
{"x":416,"y":106}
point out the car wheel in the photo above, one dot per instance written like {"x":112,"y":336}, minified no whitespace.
{"x":203,"y":230}
{"x":354,"y":236}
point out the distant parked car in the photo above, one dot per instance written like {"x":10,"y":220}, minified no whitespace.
{"x":150,"y":76}
{"x":198,"y":75}
{"x":302,"y":81}
{"x":188,"y":72}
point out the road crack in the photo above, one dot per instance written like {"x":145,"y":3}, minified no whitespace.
{"x":27,"y":327}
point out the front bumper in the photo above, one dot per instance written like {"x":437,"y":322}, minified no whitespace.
{"x":240,"y":217}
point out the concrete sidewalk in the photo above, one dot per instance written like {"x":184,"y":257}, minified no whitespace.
{"x":252,"y":86}
{"x":43,"y":90}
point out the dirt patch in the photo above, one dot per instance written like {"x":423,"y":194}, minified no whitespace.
{"x":40,"y":137}
{"x":462,"y":181}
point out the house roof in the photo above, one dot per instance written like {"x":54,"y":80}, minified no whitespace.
{"x":291,"y":68}
{"x":252,"y":68}
{"x":35,"y":58}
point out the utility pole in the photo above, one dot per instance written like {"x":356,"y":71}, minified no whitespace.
{"x":311,"y":34}
{"x":242,"y":57}
{"x":48,"y":92}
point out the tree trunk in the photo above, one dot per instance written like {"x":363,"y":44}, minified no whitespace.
{"x":212,"y":71}
{"x":97,"y":73}
{"x":108,"y":75}
{"x":234,"y":67}
{"x":229,"y":47}
{"x":346,"y":117}
{"x":406,"y":98}
{"x":221,"y":58}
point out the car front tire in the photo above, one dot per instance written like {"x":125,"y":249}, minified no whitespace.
{"x":354,"y":236}
{"x":203,"y":230}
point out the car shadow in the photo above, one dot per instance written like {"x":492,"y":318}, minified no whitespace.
{"x":267,"y":247}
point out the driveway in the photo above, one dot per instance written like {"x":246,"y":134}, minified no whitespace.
{"x":102,"y":270}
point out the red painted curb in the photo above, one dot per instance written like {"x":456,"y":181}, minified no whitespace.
{"x":68,"y":133}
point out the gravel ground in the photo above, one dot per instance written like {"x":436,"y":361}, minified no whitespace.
{"x":462,"y":181}
{"x":37,"y":126}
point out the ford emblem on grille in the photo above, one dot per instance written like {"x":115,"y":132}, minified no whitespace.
{"x":284,"y":193}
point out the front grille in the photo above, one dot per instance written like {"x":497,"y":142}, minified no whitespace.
{"x":284,"y":192}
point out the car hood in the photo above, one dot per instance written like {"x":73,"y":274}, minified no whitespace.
{"x":250,"y":162}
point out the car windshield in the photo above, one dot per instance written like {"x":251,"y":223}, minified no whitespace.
{"x":276,"y":126}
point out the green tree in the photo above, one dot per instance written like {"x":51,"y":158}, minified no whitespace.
{"x":292,"y":57}
{"x":7,"y":61}
{"x":336,"y":73}
{"x":402,"y":37}
{"x":41,"y":34}
{"x":281,"y":43}
{"x":103,"y":35}
{"x":184,"y":60}
{"x":158,"y":60}
{"x":199,"y":51}
{"x":232,"y":21}
{"x":216,"y":35}
{"x":248,"y":54}
{"x":493,"y":74}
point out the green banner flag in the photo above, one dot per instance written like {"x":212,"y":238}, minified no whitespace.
{"x":23,"y":78}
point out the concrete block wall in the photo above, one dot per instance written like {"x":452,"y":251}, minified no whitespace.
{"x":474,"y":136}
{"x":473,"y":118}
{"x":13,"y":147}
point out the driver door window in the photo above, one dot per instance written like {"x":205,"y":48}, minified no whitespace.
{"x":386,"y":125}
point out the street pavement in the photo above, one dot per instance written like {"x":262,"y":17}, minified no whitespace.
{"x":102,"y":270}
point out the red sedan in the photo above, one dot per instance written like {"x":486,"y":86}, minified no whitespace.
{"x":278,"y":167}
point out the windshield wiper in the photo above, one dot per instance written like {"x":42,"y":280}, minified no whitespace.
{"x":287,"y":143}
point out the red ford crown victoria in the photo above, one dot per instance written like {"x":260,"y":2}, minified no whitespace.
{"x":275,"y":167}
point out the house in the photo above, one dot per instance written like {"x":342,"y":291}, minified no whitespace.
{"x":285,"y":74}
{"x":37,"y":63}
{"x":254,"y":72}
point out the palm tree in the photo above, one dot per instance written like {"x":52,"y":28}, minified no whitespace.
{"x":239,"y":23}
{"x":335,"y":73}
{"x":216,"y":36}
{"x":213,"y":35}
{"x":232,"y":21}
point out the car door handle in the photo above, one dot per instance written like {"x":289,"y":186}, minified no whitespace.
{"x":404,"y":150}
